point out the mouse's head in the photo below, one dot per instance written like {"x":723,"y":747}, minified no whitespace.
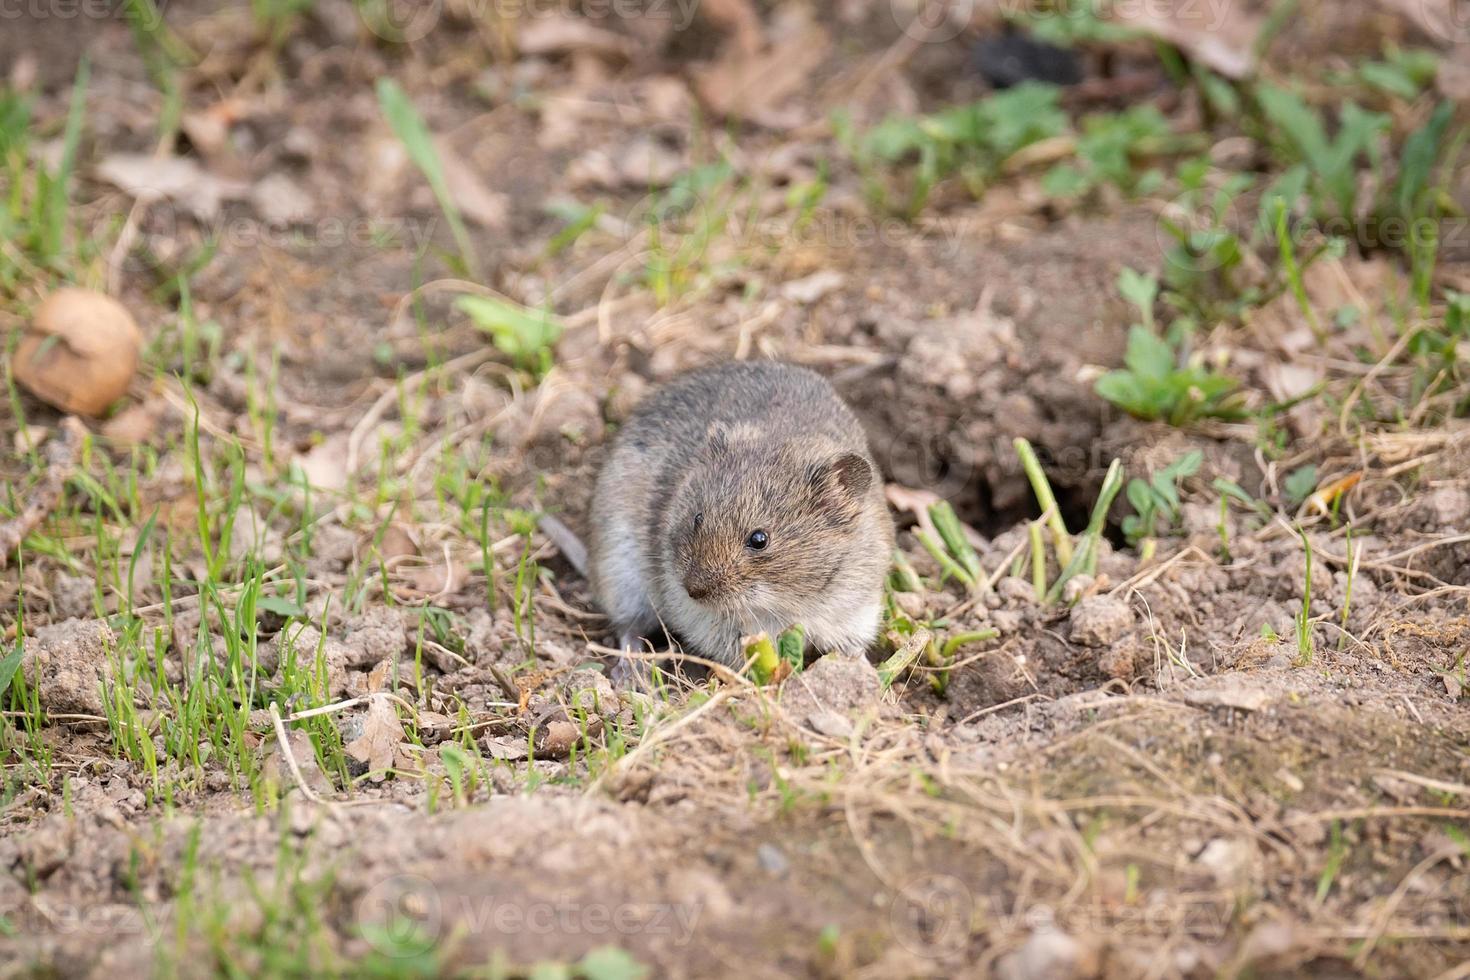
{"x":759,"y":526}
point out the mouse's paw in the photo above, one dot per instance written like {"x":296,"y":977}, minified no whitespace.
{"x":632,"y":674}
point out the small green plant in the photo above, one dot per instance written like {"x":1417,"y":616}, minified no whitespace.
{"x":1299,"y":484}
{"x":1109,"y":151}
{"x":34,"y":213}
{"x":682,"y":222}
{"x":1325,"y":167}
{"x":772,"y":660}
{"x":1440,"y":366}
{"x":1085,"y":560}
{"x":1337,"y":850}
{"x":1068,"y":22}
{"x":276,"y":19}
{"x":1046,"y":500}
{"x":1158,"y":381}
{"x":952,"y":551}
{"x":1404,"y":72}
{"x":410,"y":129}
{"x":970,"y":141}
{"x":1201,"y":265}
{"x":1156,"y":501}
{"x":528,"y":337}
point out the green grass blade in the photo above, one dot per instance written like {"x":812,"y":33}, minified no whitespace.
{"x":1086,"y":558}
{"x":947,"y":523}
{"x":1061,"y":540}
{"x":409,"y":127}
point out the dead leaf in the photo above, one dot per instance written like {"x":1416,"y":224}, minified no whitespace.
{"x":739,"y":17}
{"x":643,"y":164}
{"x":507,"y":748}
{"x":377,"y":679}
{"x":440,"y":578}
{"x":755,"y":85}
{"x":177,"y":179}
{"x":486,"y":208}
{"x":382,"y":733}
{"x":396,"y":542}
{"x":666,"y":98}
{"x":1453,"y":79}
{"x":564,"y":34}
{"x":208,"y":129}
{"x":1441,"y":19}
{"x":280,"y":201}
{"x":136,"y":424}
{"x":1289,"y":381}
{"x":325,"y":465}
{"x":1219,"y":36}
{"x":812,"y":288}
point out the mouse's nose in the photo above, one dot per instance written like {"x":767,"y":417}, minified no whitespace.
{"x":699,"y":584}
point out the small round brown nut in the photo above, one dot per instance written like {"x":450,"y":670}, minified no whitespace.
{"x":80,"y":351}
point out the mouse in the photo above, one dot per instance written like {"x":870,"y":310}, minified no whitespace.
{"x":738,"y":499}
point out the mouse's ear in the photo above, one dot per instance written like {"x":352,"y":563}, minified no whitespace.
{"x":844,"y":477}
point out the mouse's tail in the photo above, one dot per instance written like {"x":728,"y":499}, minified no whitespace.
{"x":566,"y":541}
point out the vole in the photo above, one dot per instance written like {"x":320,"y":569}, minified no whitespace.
{"x":737,"y":499}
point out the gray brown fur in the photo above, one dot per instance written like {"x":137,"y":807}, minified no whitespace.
{"x":746,"y":446}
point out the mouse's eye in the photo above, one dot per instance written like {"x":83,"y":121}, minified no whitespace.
{"x":757,"y":540}
{"x":698,"y":520}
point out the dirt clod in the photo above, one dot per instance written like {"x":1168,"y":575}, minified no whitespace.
{"x":68,"y":663}
{"x":1099,"y":621}
{"x":835,"y":685}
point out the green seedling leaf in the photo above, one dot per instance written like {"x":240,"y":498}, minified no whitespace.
{"x":1148,"y":355}
{"x":611,"y":963}
{"x":9,"y":664}
{"x":903,"y":658}
{"x":1141,"y":289}
{"x":1421,"y":151}
{"x":1014,"y":119}
{"x":1085,"y":560}
{"x":1230,"y":488}
{"x":947,"y":523}
{"x":791,"y":647}
{"x":578,"y":218}
{"x":1064,"y":180}
{"x":1297,"y":122}
{"x":279,"y":605}
{"x":526,"y":336}
{"x":763,"y":667}
{"x":1300,"y":483}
